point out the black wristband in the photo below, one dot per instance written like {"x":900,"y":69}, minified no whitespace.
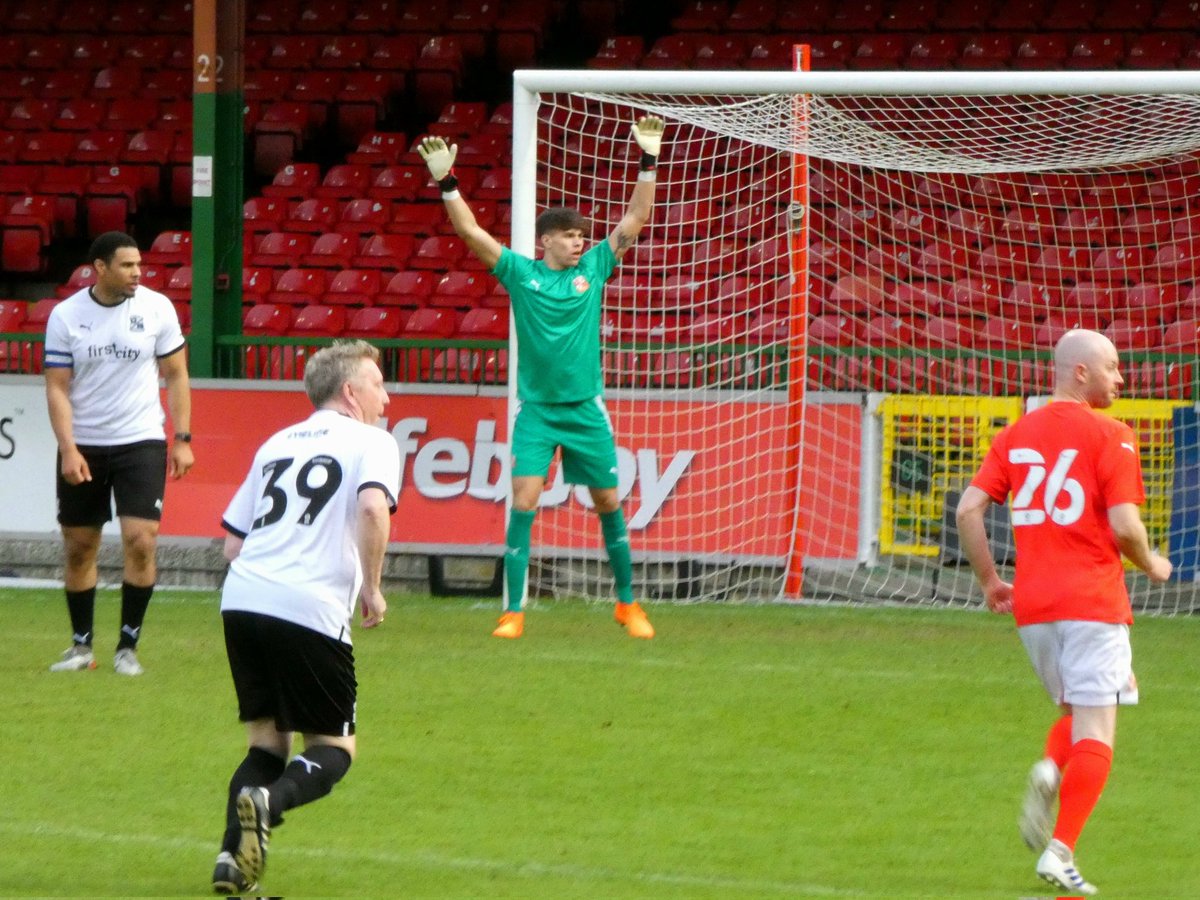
{"x":183,"y":437}
{"x":649,"y":162}
{"x":449,"y":183}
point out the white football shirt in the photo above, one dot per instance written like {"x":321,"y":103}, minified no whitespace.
{"x":298,"y":512}
{"x":114,"y":352}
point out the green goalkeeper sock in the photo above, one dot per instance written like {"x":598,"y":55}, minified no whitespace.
{"x":616,"y":540}
{"x":516,"y":555}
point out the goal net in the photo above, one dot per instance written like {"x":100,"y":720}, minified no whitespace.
{"x":849,"y":283}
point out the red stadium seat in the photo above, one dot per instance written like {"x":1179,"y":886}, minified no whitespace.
{"x":974,"y":296}
{"x":330,"y":251}
{"x":858,"y":294}
{"x":1155,"y":50}
{"x":1152,"y":302}
{"x":82,"y":277}
{"x":297,"y":287}
{"x":408,"y":288}
{"x":179,"y":285}
{"x":1007,"y":260}
{"x":384,"y":251}
{"x":1098,"y":50}
{"x":267,"y":319}
{"x":372,"y":322}
{"x":364,"y":216}
{"x":1125,"y":15}
{"x":484,"y":324}
{"x":46,"y":147}
{"x":281,"y":249}
{"x":1120,"y":265}
{"x":398,"y":182}
{"x":363,"y":102}
{"x":312,"y":216}
{"x":1027,"y":300}
{"x":461,"y":290}
{"x":13,"y":314}
{"x":438,"y":252}
{"x":345,"y":181}
{"x":80,"y":114}
{"x":294,"y":181}
{"x":170,"y":248}
{"x":257,"y":282}
{"x":879,"y":51}
{"x":263,"y":214}
{"x":38,"y":314}
{"x":354,"y":287}
{"x":116,"y":82}
{"x":933,"y":51}
{"x":1128,"y":335}
{"x":987,"y":51}
{"x":343,"y":52}
{"x":380,"y":148}
{"x":1041,"y":51}
{"x":1176,"y":261}
{"x":426,"y":324}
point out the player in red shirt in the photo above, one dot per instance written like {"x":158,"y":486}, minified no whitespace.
{"x":1075,"y":479}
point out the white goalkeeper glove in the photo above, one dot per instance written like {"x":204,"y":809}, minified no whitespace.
{"x":438,"y":157}
{"x":648,"y":132}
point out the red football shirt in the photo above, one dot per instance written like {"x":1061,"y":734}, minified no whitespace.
{"x":1065,"y":465}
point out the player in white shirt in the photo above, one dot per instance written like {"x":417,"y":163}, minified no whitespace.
{"x":307,"y":531}
{"x":106,"y":347}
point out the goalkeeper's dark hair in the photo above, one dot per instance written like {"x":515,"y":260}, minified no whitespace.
{"x":561,"y":218}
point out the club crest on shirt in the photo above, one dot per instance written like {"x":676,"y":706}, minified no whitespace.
{"x":580,"y":284}
{"x":137,"y":323}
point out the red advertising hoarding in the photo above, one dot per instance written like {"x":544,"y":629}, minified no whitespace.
{"x":724,"y":493}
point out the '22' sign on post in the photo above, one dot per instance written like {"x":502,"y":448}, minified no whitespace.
{"x":1023,"y":510}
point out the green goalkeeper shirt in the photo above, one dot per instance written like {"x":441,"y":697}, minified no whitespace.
{"x":557,"y":315}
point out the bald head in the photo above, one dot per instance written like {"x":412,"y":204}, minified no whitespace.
{"x":1085,"y":368}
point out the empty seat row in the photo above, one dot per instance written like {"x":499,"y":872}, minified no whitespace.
{"x":922,"y":15}
{"x":872,"y":51}
{"x":1149,"y":302}
{"x":1175,"y":261}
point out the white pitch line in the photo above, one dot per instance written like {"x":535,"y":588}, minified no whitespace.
{"x":441,"y":861}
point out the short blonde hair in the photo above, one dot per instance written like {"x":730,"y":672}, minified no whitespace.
{"x":331,"y":367}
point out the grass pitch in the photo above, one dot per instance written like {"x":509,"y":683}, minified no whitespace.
{"x":745,"y":752}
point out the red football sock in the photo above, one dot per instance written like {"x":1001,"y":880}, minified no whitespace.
{"x":1058,"y":742}
{"x":1083,"y":781}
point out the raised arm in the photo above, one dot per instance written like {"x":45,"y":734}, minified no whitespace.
{"x":648,"y":132}
{"x":440,"y":159}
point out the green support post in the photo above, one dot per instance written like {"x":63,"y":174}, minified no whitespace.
{"x":217,"y":175}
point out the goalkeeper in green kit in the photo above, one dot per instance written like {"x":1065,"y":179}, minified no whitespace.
{"x":556,"y":310}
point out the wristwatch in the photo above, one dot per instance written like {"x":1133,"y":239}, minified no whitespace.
{"x":183,"y":437}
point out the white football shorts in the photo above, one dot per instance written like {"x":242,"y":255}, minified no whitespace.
{"x":1082,"y":663}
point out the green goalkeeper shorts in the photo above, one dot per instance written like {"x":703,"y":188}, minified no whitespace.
{"x":583,"y":431}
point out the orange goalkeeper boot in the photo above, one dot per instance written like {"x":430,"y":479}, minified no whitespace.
{"x":511,"y":625}
{"x":633,"y":618}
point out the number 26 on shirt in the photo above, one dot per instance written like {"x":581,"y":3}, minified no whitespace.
{"x":1023,"y":510}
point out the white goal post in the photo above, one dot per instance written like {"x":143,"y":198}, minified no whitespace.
{"x":850,"y":281}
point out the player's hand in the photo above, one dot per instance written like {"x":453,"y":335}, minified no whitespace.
{"x":181,"y":459}
{"x":648,"y":132}
{"x":374,"y":606}
{"x":999,"y":597}
{"x":75,"y":469}
{"x":439,"y":157}
{"x":1160,"y":569}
